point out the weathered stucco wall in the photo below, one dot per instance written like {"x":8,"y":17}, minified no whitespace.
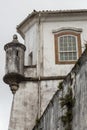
{"x":29,"y":103}
{"x":39,"y":38}
{"x":50,"y":68}
{"x":24,"y":108}
{"x":34,"y":94}
{"x":31,"y":44}
{"x":30,"y":71}
{"x":48,"y":89}
{"x":77,"y":80}
{"x":80,"y":109}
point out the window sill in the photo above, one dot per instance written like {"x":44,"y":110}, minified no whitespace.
{"x":66,"y":62}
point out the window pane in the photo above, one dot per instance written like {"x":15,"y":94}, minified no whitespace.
{"x":69,"y":38}
{"x":66,"y":56}
{"x":61,"y":39}
{"x":74,"y":56}
{"x":65,"y":39}
{"x":61,"y":47}
{"x":67,"y":48}
{"x":73,"y":39}
{"x":70,"y":56}
{"x":61,"y":43}
{"x":61,"y":56}
{"x":74,"y":46}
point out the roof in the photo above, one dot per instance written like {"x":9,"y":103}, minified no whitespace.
{"x":49,"y":13}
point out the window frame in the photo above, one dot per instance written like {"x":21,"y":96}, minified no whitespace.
{"x":67,"y":51}
{"x":78,"y":37}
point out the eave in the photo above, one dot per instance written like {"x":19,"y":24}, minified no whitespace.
{"x":49,"y":13}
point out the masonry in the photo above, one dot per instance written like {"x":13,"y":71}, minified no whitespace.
{"x":77,"y":80}
{"x":53,"y":43}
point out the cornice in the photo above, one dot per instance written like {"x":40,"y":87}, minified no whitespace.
{"x":63,"y":29}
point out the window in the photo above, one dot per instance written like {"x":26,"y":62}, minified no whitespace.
{"x":31,"y":58}
{"x":67,"y":47}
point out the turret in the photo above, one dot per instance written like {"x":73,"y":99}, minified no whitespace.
{"x":14,"y":68}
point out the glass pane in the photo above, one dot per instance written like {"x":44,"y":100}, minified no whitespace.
{"x":73,"y":39}
{"x":61,"y":48}
{"x":69,"y":38}
{"x":66,"y":56}
{"x":61,"y":39}
{"x":74,"y":55}
{"x":61,"y":56}
{"x":70,"y":55}
{"x":67,"y":48}
{"x":61,"y":43}
{"x":74,"y":46}
{"x":65,"y":39}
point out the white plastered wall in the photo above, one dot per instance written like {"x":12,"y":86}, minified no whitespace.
{"x":31,"y":44}
{"x":50,"y":68}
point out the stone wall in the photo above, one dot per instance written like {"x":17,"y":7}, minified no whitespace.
{"x":77,"y":80}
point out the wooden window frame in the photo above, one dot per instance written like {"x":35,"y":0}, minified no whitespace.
{"x":77,"y":34}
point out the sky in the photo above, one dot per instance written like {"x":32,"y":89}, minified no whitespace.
{"x":12,"y":12}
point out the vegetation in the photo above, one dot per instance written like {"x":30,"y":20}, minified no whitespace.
{"x":60,"y":86}
{"x":67,"y":102}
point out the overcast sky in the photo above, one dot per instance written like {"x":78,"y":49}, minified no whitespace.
{"x":12,"y":12}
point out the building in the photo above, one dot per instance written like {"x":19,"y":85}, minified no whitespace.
{"x":67,"y":110}
{"x":54,"y":41}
